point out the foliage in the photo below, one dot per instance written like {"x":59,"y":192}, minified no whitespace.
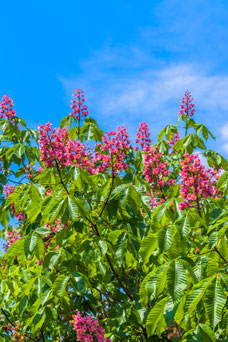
{"x":130,"y":242}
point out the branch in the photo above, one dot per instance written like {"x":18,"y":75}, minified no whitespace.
{"x":107,"y":199}
{"x":13,"y":325}
{"x":216,"y":250}
{"x":61,"y":179}
{"x":118,"y":278}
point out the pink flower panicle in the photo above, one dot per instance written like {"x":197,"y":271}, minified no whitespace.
{"x":57,"y":148}
{"x":87,"y":329}
{"x":8,"y":190}
{"x":197,"y":182}
{"x":6,"y":109}
{"x":187,"y":107}
{"x":172,"y":142}
{"x":11,"y":238}
{"x":157,"y":174}
{"x":111,"y":154}
{"x":142,"y":136}
{"x":78,"y":106}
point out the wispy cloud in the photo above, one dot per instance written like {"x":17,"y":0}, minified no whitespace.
{"x":224,"y":134}
{"x":145,"y":79}
{"x":150,"y":94}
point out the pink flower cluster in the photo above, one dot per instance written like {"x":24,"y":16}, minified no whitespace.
{"x":79,"y":109}
{"x":174,"y":331}
{"x":115,"y":147}
{"x":197,"y":182}
{"x":11,"y":238}
{"x":56,"y":147}
{"x":7,"y":112}
{"x":142,"y":136}
{"x":88,"y":330}
{"x":187,"y":107}
{"x":157,"y":172}
{"x":172,"y":142}
{"x":8,"y":190}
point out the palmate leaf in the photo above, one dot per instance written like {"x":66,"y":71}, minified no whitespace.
{"x":153,"y":284}
{"x":72,"y":207}
{"x":196,"y":294}
{"x":183,"y":225}
{"x":156,"y":317}
{"x":208,"y":333}
{"x":90,"y":131}
{"x":200,"y":268}
{"x":148,"y":246}
{"x":176,"y":280}
{"x":60,"y":285}
{"x":30,"y":244}
{"x":215,"y":301}
{"x":165,"y":239}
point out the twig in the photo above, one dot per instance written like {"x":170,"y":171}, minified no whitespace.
{"x":217,"y":251}
{"x":13,"y":325}
{"x":61,"y":179}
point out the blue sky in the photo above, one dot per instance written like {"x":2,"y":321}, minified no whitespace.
{"x":134,"y":60}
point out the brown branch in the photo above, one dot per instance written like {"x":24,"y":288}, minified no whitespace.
{"x":60,"y":175}
{"x":107,"y":199}
{"x":118,"y":278}
{"x":13,"y":325}
{"x":222,"y":257}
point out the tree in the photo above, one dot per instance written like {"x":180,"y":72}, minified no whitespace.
{"x":109,"y":242}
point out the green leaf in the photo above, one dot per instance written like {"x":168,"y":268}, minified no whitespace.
{"x":165,"y":238}
{"x":59,"y":285}
{"x":90,"y":131}
{"x":155,"y":315}
{"x":197,"y":293}
{"x":215,"y":301}
{"x":148,"y":246}
{"x":72,"y":207}
{"x":30,"y":244}
{"x":183,"y":226}
{"x":176,"y":280}
{"x":208,"y":331}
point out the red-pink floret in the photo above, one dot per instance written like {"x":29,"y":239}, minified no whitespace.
{"x":187,"y":107}
{"x":6,"y":109}
{"x":78,"y":106}
{"x":88,"y":330}
{"x":197,"y":182}
{"x":142,"y":136}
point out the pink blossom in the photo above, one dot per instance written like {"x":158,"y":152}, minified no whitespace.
{"x":111,"y":154}
{"x":197,"y":182}
{"x":87,"y":329}
{"x":79,"y":109}
{"x":142,"y":136}
{"x":187,"y":107}
{"x":6,"y":109}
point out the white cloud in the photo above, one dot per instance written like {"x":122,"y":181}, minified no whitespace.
{"x":224,"y":136}
{"x":225,"y":147}
{"x":126,"y":86}
{"x":224,"y":131}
